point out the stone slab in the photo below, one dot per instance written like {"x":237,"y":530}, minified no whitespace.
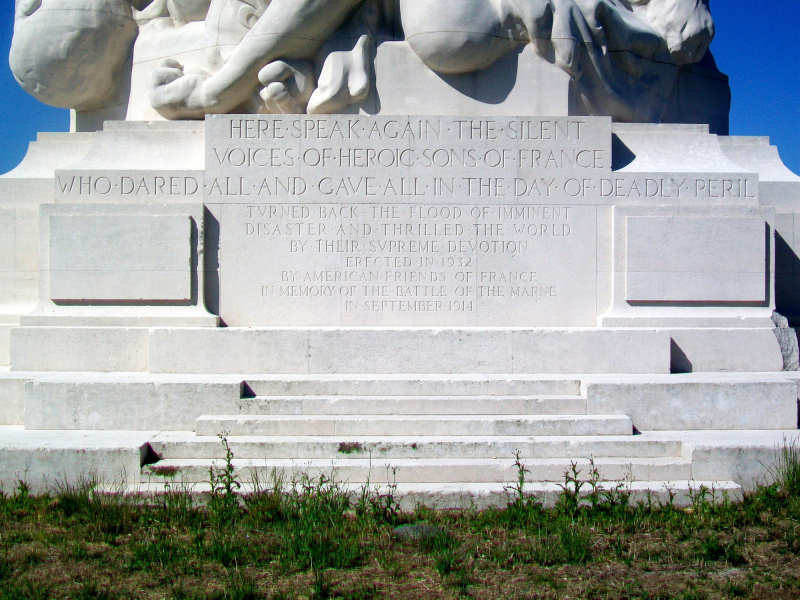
{"x":696,"y":402}
{"x":787,"y":263}
{"x":697,"y":161}
{"x":713,"y":350}
{"x":394,"y":350}
{"x":409,"y":265}
{"x":438,"y":158}
{"x":696,"y":259}
{"x":480,"y":496}
{"x":422,"y":425}
{"x":56,"y":404}
{"x":411,"y":405}
{"x":778,"y":186}
{"x":407,"y":221}
{"x":750,"y":458}
{"x":45,"y":460}
{"x":20,"y":290}
{"x":465,"y":471}
{"x":122,"y":316}
{"x":414,"y":385}
{"x":126,"y":258}
{"x":95,"y":184}
{"x":102,"y":349}
{"x":131,"y":270}
{"x":186,"y":445}
{"x":162,"y":162}
{"x":700,"y":313}
{"x":12,"y":399}
{"x":514,"y":85}
{"x":50,"y":151}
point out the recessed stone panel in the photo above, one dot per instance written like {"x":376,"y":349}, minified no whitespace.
{"x":400,"y":264}
{"x":120,"y":258}
{"x":407,"y":221}
{"x":696,"y":259}
{"x":256,"y":160}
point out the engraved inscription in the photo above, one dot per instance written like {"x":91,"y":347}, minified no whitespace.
{"x":398,"y":221}
{"x":143,"y":185}
{"x":429,"y":254}
{"x":452,"y":264}
{"x":412,"y":159}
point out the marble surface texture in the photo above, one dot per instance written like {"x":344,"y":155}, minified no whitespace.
{"x":145,"y":59}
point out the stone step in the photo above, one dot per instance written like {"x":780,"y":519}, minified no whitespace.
{"x":417,"y":425}
{"x":413,"y":405}
{"x":289,"y":350}
{"x":382,"y":471}
{"x":186,"y":445}
{"x":417,"y":385}
{"x":479,"y":496}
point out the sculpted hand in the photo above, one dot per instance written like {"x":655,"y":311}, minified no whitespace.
{"x":288,"y":85}
{"x":175,"y":94}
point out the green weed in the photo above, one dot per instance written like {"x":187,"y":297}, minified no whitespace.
{"x":266,"y":505}
{"x":791,"y":537}
{"x":281,"y":531}
{"x":317,"y":532}
{"x":178,"y":504}
{"x":224,"y":506}
{"x":21,"y":503}
{"x":569,"y":500}
{"x":382,"y":508}
{"x":786,"y":470}
{"x":450,"y":559}
{"x":322,"y":589}
{"x":108,"y":513}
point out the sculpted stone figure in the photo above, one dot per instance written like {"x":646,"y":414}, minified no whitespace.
{"x":72,"y":53}
{"x":293,"y":56}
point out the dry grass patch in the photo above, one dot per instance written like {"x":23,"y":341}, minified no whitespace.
{"x":316,"y":539}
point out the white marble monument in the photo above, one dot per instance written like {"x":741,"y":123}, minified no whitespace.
{"x":438,"y":232}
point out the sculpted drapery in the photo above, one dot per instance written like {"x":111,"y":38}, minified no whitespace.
{"x":297,"y":56}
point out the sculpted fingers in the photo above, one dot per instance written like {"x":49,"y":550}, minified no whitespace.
{"x":275,"y":71}
{"x":278,"y":100}
{"x":167,"y":71}
{"x":287,"y":86}
{"x":174,"y":94}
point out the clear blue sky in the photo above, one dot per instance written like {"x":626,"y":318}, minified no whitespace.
{"x":756,"y":45}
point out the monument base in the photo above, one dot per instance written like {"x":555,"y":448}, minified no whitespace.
{"x":609,"y":299}
{"x":96,"y":345}
{"x":445,"y":440}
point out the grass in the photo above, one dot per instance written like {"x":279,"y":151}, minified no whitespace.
{"x":314,"y":538}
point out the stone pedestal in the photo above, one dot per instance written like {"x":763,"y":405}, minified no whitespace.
{"x":22,"y":191}
{"x":464,"y":286}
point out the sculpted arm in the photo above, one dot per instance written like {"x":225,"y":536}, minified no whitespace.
{"x":287,"y":29}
